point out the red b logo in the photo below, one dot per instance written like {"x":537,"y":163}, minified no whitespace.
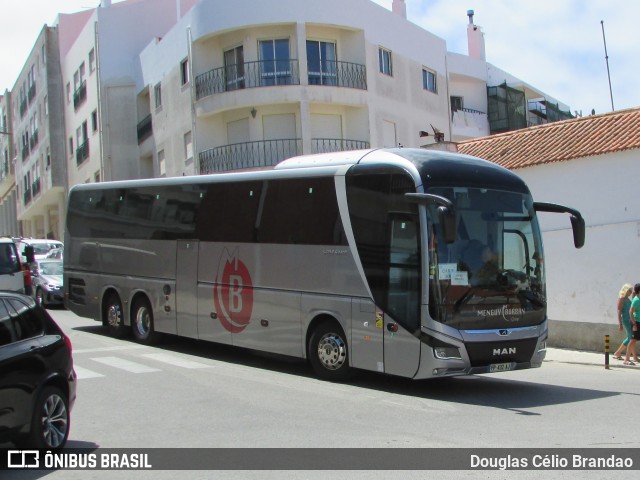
{"x":233,"y":293}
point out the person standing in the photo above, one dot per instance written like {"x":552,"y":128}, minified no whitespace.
{"x":624,"y":322}
{"x":634,"y":316}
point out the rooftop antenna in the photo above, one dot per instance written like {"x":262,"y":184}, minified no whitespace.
{"x":606,"y":57}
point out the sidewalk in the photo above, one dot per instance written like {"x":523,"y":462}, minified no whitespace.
{"x":562,"y":355}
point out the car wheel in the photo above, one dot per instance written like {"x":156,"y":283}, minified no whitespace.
{"x":328,"y":352}
{"x":51,"y":420}
{"x":113,"y":318}
{"x":142,"y":323}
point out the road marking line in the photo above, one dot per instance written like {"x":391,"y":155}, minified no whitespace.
{"x":84,"y":373}
{"x":106,"y":349}
{"x":172,"y":360}
{"x":126,"y":365}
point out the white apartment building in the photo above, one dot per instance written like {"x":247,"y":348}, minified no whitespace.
{"x":99,"y":53}
{"x":37,"y":136}
{"x":245,"y":86}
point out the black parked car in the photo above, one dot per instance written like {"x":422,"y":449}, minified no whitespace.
{"x":37,"y":380}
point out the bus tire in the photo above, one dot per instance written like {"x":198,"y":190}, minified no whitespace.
{"x":113,"y":318}
{"x":142,"y":322}
{"x":328,"y":352}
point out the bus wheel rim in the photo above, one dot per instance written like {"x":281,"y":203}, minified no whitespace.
{"x":143,"y":323}
{"x":332,"y":351}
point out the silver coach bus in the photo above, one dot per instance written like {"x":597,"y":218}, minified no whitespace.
{"x":410,"y":262}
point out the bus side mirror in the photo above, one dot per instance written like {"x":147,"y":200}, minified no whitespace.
{"x":577,"y":221}
{"x":579,"y":229}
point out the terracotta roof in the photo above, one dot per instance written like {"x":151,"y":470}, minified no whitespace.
{"x":559,"y":141}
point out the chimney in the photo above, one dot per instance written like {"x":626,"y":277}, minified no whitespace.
{"x":105,"y":3}
{"x":475,"y":39}
{"x":399,"y":8}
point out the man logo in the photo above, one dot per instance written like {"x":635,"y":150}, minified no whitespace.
{"x":233,"y":292}
{"x":504,"y":351}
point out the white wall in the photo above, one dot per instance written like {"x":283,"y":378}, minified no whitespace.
{"x":583,"y":284}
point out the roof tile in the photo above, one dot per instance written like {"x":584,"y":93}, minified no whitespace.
{"x":559,"y":141}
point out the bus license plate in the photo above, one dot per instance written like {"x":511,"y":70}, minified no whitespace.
{"x":501,"y":367}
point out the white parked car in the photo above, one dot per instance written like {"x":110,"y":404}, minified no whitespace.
{"x":41,"y":247}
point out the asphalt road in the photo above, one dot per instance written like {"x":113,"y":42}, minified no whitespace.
{"x":188,"y":394}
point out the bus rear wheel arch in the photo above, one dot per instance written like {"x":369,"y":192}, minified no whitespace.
{"x":327,"y":350}
{"x":142,"y":324}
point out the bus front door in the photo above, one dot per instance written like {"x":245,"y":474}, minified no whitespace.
{"x":402,"y":348}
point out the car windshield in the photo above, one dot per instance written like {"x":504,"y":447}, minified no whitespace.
{"x":492,"y":276}
{"x":50,"y":268}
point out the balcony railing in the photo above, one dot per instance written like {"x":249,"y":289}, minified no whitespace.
{"x":326,"y":145}
{"x":247,"y":75}
{"x":241,"y":156}
{"x":80,"y":95}
{"x":145,"y":129}
{"x":82,"y":153}
{"x":339,"y":74}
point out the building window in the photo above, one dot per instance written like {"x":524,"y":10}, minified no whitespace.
{"x":275,"y":62}
{"x":68,"y":92}
{"x":384,"y":59}
{"x":234,"y":68}
{"x":321,"y":61}
{"x":429,"y":80}
{"x":94,"y":120}
{"x":184,"y":71}
{"x":157,"y":93}
{"x":70,"y":145}
{"x":456,"y":103}
{"x":188,"y":148}
{"x":92,"y":60}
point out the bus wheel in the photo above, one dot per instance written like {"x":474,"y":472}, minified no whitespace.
{"x":142,"y":323}
{"x":328,"y":352}
{"x":113,"y":318}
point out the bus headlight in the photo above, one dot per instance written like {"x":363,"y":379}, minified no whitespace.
{"x":447,"y":353}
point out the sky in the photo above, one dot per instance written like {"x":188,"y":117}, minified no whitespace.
{"x":556,"y":46}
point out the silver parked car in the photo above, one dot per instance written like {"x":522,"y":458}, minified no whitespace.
{"x":46,"y":277}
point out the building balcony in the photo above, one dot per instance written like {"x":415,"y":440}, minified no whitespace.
{"x":82,"y":152}
{"x":79,"y":96}
{"x":247,"y":75}
{"x":248,"y":155}
{"x":467,"y":123}
{"x":35,"y":187}
{"x":327,"y":145}
{"x":31,"y":93}
{"x":33,"y":140}
{"x":145,"y":129}
{"x":27,"y":196}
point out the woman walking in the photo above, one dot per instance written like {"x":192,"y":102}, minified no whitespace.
{"x":624,"y":322}
{"x":634,"y":316}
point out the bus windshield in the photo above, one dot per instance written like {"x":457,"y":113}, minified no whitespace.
{"x":492,"y":276}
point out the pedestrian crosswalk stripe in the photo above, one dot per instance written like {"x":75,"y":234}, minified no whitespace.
{"x":83,"y":373}
{"x":176,"y":361}
{"x":126,"y":365}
